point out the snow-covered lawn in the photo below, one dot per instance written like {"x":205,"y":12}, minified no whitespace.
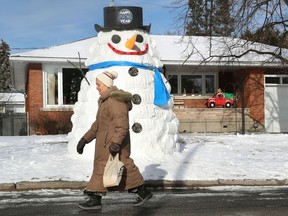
{"x":201,"y":157}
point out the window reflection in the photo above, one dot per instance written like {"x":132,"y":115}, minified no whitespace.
{"x":62,"y":87}
{"x":71,"y":84}
{"x":272,"y":80}
{"x":52,"y":89}
{"x":191,"y":84}
{"x":200,"y":84}
{"x":284,"y":80}
{"x":173,"y":81}
{"x":209,"y":83}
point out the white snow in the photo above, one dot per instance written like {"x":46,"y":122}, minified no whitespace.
{"x":201,"y":157}
{"x":173,"y":49}
{"x":12,"y":97}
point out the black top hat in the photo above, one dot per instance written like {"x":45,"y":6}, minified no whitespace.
{"x":122,"y":18}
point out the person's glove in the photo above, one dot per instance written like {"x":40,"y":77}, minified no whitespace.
{"x":80,"y":146}
{"x":114,"y":149}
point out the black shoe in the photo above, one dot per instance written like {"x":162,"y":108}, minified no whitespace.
{"x":93,"y":203}
{"x":143,"y":195}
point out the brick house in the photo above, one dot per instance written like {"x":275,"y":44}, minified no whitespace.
{"x":194,"y":71}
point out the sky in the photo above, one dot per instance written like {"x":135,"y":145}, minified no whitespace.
{"x":44,"y":23}
{"x":200,"y":157}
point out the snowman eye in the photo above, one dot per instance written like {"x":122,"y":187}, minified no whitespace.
{"x":139,"y":38}
{"x":116,"y":39}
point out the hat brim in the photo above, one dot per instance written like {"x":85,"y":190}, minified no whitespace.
{"x":99,"y":28}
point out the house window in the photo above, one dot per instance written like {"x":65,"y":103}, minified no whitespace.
{"x":52,"y":88}
{"x":210,"y":84}
{"x":71,"y":85}
{"x":173,"y":81}
{"x":200,"y":84}
{"x":272,"y":80}
{"x":61,"y":85}
{"x":191,"y":84}
{"x":284,"y":80}
{"x":15,"y":108}
{"x":276,"y":80}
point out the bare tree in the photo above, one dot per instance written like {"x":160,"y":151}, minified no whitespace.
{"x":249,"y":15}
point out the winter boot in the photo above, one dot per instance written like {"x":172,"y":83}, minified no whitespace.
{"x":93,"y":203}
{"x":143,"y":195}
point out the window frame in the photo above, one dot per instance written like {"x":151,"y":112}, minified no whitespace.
{"x":203,"y":82}
{"x":281,"y":77}
{"x":57,"y":69}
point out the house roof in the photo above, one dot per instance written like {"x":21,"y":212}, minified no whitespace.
{"x":172,"y":49}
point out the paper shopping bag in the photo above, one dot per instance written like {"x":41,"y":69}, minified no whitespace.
{"x":113,"y":171}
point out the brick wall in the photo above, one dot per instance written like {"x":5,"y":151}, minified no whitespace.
{"x":34,"y":90}
{"x":254,"y":91}
{"x":43,"y":122}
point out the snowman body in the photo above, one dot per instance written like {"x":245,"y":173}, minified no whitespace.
{"x":132,"y":54}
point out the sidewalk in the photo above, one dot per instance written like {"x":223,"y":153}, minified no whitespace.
{"x":157,"y":184}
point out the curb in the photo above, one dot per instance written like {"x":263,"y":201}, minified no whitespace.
{"x":156,"y":184}
{"x":190,"y":184}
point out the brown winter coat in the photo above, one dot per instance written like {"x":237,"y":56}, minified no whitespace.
{"x":112,"y":125}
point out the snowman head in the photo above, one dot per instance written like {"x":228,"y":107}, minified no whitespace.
{"x":127,"y":45}
{"x":123,"y":38}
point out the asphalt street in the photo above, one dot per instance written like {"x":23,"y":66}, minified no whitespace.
{"x":214,"y":201}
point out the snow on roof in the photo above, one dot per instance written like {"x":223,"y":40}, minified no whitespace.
{"x":12,"y":97}
{"x":173,"y":49}
{"x":66,"y":51}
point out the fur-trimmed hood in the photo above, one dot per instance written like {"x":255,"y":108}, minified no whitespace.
{"x":122,"y":96}
{"x":119,"y":95}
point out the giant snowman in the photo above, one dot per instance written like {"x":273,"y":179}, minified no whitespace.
{"x":124,"y":45}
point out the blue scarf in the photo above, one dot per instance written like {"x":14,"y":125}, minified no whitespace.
{"x":161,"y":95}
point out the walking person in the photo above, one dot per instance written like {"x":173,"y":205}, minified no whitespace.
{"x":111,"y":130}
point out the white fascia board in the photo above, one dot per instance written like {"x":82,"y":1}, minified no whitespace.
{"x":44,"y":59}
{"x":224,"y":63}
{"x":165,"y":62}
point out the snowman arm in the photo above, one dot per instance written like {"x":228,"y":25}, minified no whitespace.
{"x":119,"y":113}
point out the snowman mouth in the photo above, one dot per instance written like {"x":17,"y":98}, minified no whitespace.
{"x":142,"y":52}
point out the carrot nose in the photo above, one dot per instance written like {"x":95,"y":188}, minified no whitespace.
{"x":131,"y":42}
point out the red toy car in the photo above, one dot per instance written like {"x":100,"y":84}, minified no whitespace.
{"x":221,"y":99}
